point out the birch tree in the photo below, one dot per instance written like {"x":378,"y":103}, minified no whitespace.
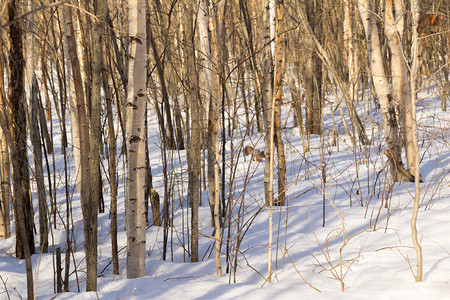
{"x":136,"y":139}
{"x":350,"y":48}
{"x":210,"y":92}
{"x":401,"y":91}
{"x":413,"y":78}
{"x":381,"y":85}
{"x":211,"y":48}
{"x":279,"y":64}
{"x":267,"y":96}
{"x":90,"y":248}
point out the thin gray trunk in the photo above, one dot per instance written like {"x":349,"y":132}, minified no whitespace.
{"x":193,"y":98}
{"x":39,"y":173}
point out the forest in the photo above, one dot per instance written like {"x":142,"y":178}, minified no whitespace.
{"x":222,"y":149}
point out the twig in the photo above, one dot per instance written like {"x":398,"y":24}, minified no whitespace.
{"x":6,"y":288}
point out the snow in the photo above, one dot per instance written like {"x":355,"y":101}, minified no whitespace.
{"x":375,"y":242}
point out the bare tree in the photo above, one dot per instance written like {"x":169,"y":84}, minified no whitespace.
{"x":5,"y":188}
{"x":84,"y":146}
{"x":279,"y":65}
{"x":267,"y":96}
{"x":190,"y":75}
{"x":33,"y":95}
{"x":401,"y":91}
{"x":413,"y":79}
{"x":18,"y":107}
{"x":136,"y":140}
{"x":381,"y":85}
{"x":100,"y":8}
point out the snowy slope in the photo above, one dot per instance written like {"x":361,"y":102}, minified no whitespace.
{"x":363,"y":242}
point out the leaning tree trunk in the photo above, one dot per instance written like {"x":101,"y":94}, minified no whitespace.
{"x":401,"y":91}
{"x":381,"y":84}
{"x":18,"y":128}
{"x":81,"y":120}
{"x":136,"y":140}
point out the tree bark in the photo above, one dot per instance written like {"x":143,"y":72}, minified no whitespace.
{"x":267,"y":96}
{"x":279,"y":63}
{"x":81,"y":120}
{"x":18,"y":131}
{"x":112,"y":147}
{"x":5,"y":188}
{"x":72,"y":98}
{"x":39,"y":172}
{"x":136,"y":140}
{"x":95,"y":188}
{"x":33,"y":95}
{"x":193,"y":98}
{"x":313,"y":70}
{"x":413,"y":79}
{"x":213,"y":48}
{"x":381,"y":84}
{"x":350,"y":49}
{"x":401,"y":91}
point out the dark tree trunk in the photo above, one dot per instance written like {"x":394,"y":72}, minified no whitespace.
{"x":18,"y":126}
{"x":36,"y":141}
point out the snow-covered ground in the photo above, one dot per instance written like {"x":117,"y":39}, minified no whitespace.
{"x":363,"y":244}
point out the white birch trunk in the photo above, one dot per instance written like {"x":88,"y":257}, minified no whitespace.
{"x":209,"y":45}
{"x":205,"y":55}
{"x":381,"y":84}
{"x":136,"y":139}
{"x":349,"y":44}
{"x":209,"y":95}
{"x":267,"y":95}
{"x":413,"y":78}
{"x":400,"y":85}
{"x":272,"y":25}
